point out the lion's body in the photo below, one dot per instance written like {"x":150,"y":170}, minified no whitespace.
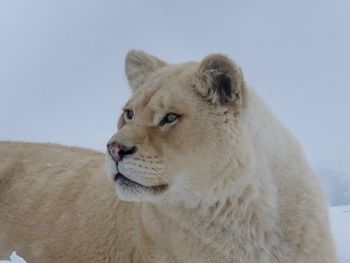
{"x":57,"y":206}
{"x":238,"y":188}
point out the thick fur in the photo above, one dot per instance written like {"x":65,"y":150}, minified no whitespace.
{"x":238,"y":188}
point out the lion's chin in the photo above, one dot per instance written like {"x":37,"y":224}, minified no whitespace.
{"x":129,"y":190}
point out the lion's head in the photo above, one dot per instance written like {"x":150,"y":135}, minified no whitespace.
{"x":179,"y":134}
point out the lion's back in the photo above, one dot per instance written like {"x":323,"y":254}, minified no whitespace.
{"x":56,"y":198}
{"x":44,"y":166}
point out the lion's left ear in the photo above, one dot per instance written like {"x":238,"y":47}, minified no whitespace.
{"x":138,"y":66}
{"x":220,"y":80}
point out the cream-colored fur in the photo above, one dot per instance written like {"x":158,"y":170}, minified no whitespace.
{"x":223,"y":182}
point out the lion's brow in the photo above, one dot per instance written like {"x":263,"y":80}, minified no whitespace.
{"x":146,"y":100}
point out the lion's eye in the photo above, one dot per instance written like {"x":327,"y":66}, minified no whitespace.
{"x":169,"y":118}
{"x":128,"y":115}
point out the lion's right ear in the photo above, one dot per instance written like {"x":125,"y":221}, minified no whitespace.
{"x":138,"y":66}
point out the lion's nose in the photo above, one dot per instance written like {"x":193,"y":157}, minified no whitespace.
{"x":118,"y":151}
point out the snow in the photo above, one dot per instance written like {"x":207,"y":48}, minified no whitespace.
{"x":62,"y":74}
{"x":340,"y":224}
{"x":14,"y":258}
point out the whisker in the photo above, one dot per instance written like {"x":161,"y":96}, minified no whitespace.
{"x":191,"y":190}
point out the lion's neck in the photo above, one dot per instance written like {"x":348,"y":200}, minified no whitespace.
{"x":238,"y":220}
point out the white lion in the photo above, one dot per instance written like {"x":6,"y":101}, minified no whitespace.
{"x":212,"y":176}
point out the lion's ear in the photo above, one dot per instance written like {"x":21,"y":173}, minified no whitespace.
{"x":138,"y":66}
{"x":220,"y":80}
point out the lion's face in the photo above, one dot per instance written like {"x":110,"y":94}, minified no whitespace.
{"x":177,"y":132}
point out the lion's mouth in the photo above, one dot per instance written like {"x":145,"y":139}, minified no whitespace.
{"x":128,"y":183}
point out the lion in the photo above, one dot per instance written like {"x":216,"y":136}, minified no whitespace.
{"x":203,"y":172}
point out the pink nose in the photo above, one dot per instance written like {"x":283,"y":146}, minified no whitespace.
{"x":116,"y":150}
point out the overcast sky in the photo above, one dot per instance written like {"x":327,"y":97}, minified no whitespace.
{"x":62,"y":77}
